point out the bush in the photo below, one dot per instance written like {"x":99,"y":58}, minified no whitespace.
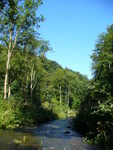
{"x":60,"y":111}
{"x":96,"y":123}
{"x":15,"y":113}
{"x":105,"y":125}
{"x":9,"y":114}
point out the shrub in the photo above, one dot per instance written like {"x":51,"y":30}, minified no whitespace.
{"x":9,"y":114}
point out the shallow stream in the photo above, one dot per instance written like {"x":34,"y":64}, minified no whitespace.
{"x":55,"y":135}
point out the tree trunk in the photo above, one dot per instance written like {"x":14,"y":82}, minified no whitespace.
{"x":68,"y":95}
{"x":8,"y":61}
{"x":9,"y":85}
{"x":33,"y":83}
{"x":9,"y":92}
{"x":60,"y":96}
{"x":31,"y":86}
{"x":26,"y":89}
{"x":7,"y":66}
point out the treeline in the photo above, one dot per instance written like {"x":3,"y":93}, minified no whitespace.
{"x":95,"y":115}
{"x":33,"y":89}
{"x":39,"y":90}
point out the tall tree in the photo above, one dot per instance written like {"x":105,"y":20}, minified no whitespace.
{"x":96,"y":110}
{"x":17,"y":20}
{"x":103,"y":63}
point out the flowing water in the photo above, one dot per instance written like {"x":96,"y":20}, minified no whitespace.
{"x":55,"y":135}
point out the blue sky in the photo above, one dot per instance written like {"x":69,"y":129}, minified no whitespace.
{"x":72,"y":28}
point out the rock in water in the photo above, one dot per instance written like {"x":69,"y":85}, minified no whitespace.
{"x":67,"y":132}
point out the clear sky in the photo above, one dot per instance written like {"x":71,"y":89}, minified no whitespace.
{"x":72,"y":27}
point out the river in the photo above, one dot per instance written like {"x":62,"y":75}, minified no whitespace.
{"x":55,"y":135}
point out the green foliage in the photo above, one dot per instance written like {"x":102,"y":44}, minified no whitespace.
{"x":45,"y":102}
{"x":60,"y":111}
{"x":103,"y":62}
{"x":36,"y":89}
{"x":14,"y":114}
{"x":95,"y":121}
{"x":95,"y":115}
{"x":9,"y":114}
{"x":105,"y":125}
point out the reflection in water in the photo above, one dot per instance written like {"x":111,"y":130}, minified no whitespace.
{"x":54,"y":135}
{"x":19,"y":141}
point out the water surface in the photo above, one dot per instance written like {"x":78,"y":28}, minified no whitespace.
{"x":55,"y":135}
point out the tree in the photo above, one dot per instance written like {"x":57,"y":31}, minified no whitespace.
{"x":95,"y":115}
{"x":17,"y":21}
{"x":103,"y":63}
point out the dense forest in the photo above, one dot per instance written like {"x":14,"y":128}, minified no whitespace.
{"x":34,"y":89}
{"x":95,"y":113}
